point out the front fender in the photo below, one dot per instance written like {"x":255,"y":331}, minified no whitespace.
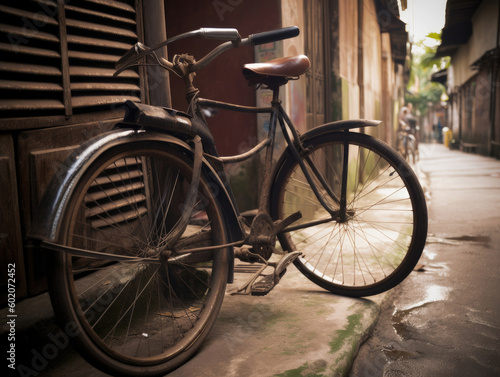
{"x":47,"y":223}
{"x":340,"y":125}
{"x":337,"y":126}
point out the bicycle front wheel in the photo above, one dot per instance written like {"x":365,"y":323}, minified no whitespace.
{"x":148,"y":315}
{"x":372,"y":245}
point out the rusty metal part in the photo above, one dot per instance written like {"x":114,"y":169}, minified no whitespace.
{"x":262,"y":235}
{"x":244,"y":254}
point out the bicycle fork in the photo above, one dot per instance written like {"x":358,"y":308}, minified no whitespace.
{"x":300,"y":155}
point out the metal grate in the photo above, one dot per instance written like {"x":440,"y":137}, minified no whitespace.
{"x":58,"y":59}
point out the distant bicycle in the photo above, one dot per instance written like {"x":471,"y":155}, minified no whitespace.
{"x":143,"y":229}
{"x":408,"y":141}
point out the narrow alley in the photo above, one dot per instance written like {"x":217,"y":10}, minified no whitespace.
{"x":444,"y":319}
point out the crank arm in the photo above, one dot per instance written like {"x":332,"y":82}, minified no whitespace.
{"x":280,"y":225}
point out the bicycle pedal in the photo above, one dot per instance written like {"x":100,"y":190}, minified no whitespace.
{"x":263,"y":286}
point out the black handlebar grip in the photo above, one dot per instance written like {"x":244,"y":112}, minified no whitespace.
{"x":273,"y":35}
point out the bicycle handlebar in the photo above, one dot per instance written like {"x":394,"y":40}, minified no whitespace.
{"x":273,"y":35}
{"x":130,"y":56}
{"x":225,"y":34}
{"x":229,"y":35}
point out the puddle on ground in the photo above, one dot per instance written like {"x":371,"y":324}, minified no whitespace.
{"x":400,"y":317}
{"x":441,"y":269}
{"x":431,"y":255}
{"x":475,"y":316}
{"x":480,"y":239}
{"x":458,"y":240}
{"x":403,"y":329}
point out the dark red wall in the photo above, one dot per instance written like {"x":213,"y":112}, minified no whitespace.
{"x":222,"y":80}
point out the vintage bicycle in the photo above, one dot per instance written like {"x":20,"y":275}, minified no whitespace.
{"x":408,"y":142}
{"x":142,"y":230}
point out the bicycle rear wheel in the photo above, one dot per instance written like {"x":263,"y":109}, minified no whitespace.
{"x":382,"y":236}
{"x":145,"y":316}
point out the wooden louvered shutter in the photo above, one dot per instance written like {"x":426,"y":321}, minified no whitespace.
{"x":97,"y":36}
{"x":31,"y":80}
{"x":57,"y":59}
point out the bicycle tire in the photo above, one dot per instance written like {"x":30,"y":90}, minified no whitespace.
{"x":383,"y":237}
{"x":149,"y":316}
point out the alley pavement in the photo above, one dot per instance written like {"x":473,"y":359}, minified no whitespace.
{"x":445,"y":320}
{"x":296,"y":330}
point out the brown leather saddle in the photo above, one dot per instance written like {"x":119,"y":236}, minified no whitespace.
{"x":276,"y":72}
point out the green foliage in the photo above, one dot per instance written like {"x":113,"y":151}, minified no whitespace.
{"x":421,"y":90}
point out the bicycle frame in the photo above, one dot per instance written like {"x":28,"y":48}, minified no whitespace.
{"x":312,"y":174}
{"x":185,"y":65}
{"x":278,"y":115}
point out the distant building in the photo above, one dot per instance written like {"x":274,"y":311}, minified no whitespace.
{"x":471,"y":38}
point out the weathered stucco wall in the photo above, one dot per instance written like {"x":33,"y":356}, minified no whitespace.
{"x":372,"y":61}
{"x":484,"y":37}
{"x":348,"y":53}
{"x":471,"y":86}
{"x":292,"y":14}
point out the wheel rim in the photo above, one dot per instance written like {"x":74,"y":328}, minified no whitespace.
{"x":142,"y":313}
{"x":371,"y":245}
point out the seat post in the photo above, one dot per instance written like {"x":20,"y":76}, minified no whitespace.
{"x":266,"y":183}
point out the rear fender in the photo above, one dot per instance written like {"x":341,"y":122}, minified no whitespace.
{"x":47,"y":223}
